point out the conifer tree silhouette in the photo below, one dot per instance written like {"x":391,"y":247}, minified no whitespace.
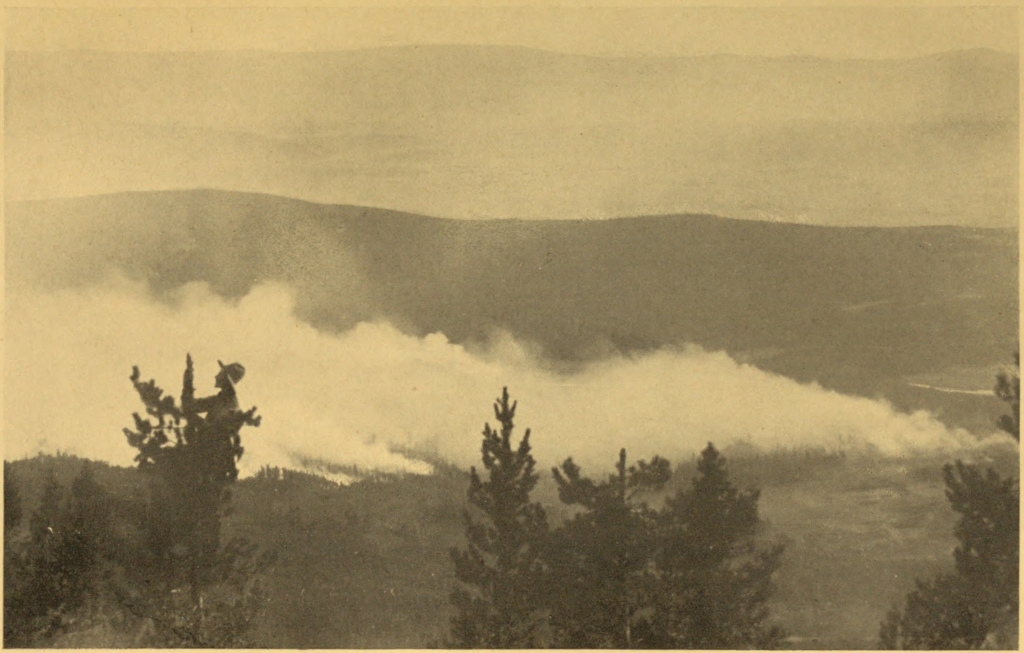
{"x":497,"y":604}
{"x":599,"y":561}
{"x":191,"y":460}
{"x":715,"y":576}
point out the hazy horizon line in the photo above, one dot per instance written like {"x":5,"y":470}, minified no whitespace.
{"x":635,"y":216}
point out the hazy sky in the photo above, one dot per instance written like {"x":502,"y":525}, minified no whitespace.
{"x":869,"y":32}
{"x":549,"y":137}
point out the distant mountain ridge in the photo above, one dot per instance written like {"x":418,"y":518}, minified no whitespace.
{"x":860,"y":310}
{"x":486,"y":132}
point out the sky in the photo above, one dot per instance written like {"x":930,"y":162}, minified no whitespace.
{"x":857,"y":32}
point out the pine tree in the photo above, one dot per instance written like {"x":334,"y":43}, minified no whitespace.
{"x":715,"y":578}
{"x":938,"y":614}
{"x":497,"y":605}
{"x":988,"y":531}
{"x":979,"y":601}
{"x":598,"y":584}
{"x":191,"y":461}
{"x":976,"y":606}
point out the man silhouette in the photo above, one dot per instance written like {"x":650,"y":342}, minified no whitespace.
{"x":225,"y":402}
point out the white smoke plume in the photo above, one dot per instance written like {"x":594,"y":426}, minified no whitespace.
{"x":353,"y":398}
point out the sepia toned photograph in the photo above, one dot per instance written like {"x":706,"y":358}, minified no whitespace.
{"x":511,"y":327}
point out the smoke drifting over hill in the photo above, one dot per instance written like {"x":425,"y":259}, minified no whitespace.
{"x":353,"y":398}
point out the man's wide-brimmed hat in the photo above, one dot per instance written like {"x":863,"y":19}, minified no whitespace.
{"x":233,"y":371}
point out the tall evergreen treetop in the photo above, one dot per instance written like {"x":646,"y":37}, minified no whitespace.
{"x":711,"y":522}
{"x":208,"y":447}
{"x":599,"y":560}
{"x":716,"y":575}
{"x":500,"y":569}
{"x":191,"y":459}
{"x":621,"y":487}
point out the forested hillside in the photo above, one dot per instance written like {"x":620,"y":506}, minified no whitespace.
{"x":868,"y":311}
{"x":367,"y":565}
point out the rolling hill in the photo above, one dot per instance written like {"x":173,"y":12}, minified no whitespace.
{"x":879,"y":312}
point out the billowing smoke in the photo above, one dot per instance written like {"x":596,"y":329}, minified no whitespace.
{"x":362,"y":397}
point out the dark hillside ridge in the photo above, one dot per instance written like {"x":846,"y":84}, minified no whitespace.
{"x":856,"y":309}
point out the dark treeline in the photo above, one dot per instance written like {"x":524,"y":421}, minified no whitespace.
{"x":634,"y":559}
